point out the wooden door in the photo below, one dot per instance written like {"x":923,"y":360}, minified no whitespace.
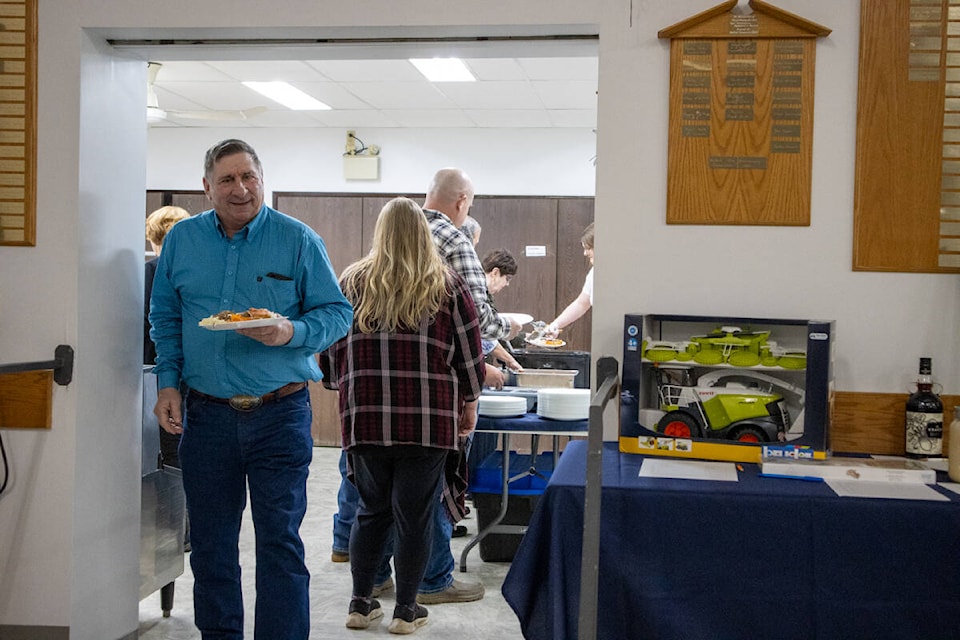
{"x":339,"y":222}
{"x":193,"y":201}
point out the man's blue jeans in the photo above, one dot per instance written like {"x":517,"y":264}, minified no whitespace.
{"x":439,"y":572}
{"x":222,"y":451}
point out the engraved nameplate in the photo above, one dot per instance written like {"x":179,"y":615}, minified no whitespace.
{"x":742,"y":48}
{"x":741,"y":81}
{"x":739,"y":114}
{"x":788,"y":65}
{"x":786,"y":130}
{"x":697,"y":48}
{"x":696,"y":114}
{"x":788,"y":48}
{"x":744,"y":24}
{"x":695,"y":131}
{"x":784,"y":146}
{"x":781,"y":113}
{"x":786,"y":97}
{"x":739,"y":98}
{"x":786,"y":81}
{"x":696,"y":82}
{"x":696,"y":98}
{"x":737,"y":162}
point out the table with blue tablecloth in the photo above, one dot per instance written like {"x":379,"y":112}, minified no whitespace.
{"x":528,"y":424}
{"x":760,"y":558}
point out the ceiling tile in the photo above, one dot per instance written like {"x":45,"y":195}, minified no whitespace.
{"x":268,"y":70}
{"x":399,"y":95}
{"x":575,"y":94}
{"x":430,"y":118}
{"x":367,"y":70}
{"x":509,"y":118}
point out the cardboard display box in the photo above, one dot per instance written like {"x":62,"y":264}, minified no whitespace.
{"x":718,"y":388}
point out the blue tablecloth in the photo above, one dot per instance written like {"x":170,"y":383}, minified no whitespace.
{"x":757,"y":559}
{"x":533,"y":423}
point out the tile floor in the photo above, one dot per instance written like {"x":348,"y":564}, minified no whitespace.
{"x":330,"y":583}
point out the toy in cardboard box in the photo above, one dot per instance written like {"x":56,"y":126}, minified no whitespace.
{"x":721,"y":388}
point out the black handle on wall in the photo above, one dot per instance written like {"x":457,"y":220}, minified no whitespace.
{"x":62,"y":365}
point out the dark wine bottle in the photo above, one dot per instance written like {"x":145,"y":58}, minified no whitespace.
{"x":924,"y":421}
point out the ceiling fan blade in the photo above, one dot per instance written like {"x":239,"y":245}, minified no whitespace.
{"x":156,"y":114}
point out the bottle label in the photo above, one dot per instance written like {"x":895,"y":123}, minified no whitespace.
{"x":924,"y":433}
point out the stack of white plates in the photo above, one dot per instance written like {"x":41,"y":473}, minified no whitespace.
{"x":502,"y":406}
{"x":563,"y":404}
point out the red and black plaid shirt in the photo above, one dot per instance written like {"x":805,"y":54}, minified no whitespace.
{"x":409,"y":387}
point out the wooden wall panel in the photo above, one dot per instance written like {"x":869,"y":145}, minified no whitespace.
{"x":874,"y":422}
{"x":26,"y":400}
{"x":573,"y":216}
{"x":339,"y":221}
{"x":514,"y":224}
{"x":193,"y":201}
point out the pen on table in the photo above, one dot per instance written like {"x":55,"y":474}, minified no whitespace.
{"x":788,"y":477}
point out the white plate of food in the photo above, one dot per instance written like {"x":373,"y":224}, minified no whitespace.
{"x":546,"y":343}
{"x":249,"y":319}
{"x":521,"y":318}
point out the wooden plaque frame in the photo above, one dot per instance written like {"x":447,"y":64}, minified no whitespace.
{"x":18,"y":122}
{"x":741,"y":116}
{"x":907,"y":195}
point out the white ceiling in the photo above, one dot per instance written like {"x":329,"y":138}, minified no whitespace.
{"x":528,"y":92}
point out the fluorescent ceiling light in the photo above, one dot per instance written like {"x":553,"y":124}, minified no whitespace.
{"x":287,"y":95}
{"x":443,"y":69}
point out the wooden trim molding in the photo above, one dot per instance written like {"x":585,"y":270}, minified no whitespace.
{"x":26,"y":400}
{"x":874,"y":422}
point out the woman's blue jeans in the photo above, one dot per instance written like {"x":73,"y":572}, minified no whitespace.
{"x":222,"y":453}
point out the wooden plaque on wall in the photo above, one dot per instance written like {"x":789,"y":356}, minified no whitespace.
{"x":741,"y":116}
{"x":18,"y":97}
{"x":907,"y":194}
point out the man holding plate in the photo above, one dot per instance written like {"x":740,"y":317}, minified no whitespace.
{"x":247,"y":408}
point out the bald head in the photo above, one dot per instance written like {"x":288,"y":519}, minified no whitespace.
{"x":450,"y":193}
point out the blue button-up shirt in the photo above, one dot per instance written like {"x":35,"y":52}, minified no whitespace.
{"x":275,"y":262}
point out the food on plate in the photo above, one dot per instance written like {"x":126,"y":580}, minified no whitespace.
{"x":546,"y":342}
{"x":226,"y":317}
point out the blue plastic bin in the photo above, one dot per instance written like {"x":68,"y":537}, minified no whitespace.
{"x":524,"y":495}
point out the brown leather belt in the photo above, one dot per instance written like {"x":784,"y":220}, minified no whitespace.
{"x":251,"y":403}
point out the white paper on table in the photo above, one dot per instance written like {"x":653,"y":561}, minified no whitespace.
{"x":937,"y":464}
{"x":892,"y":490}
{"x":688,"y":469}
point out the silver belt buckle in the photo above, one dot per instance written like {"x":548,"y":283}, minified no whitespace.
{"x":245,"y":403}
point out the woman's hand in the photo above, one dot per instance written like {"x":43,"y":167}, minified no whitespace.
{"x":468,"y":418}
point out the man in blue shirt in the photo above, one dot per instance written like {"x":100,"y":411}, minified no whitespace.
{"x":247,"y":408}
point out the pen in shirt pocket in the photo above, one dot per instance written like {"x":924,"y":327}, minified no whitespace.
{"x":275,"y":276}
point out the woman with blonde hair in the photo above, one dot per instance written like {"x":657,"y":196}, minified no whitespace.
{"x":158,"y":224}
{"x":409,"y":374}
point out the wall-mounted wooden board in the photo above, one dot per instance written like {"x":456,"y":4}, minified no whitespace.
{"x":18,"y":98}
{"x":26,"y":400}
{"x":907,"y":193}
{"x":740,"y":134}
